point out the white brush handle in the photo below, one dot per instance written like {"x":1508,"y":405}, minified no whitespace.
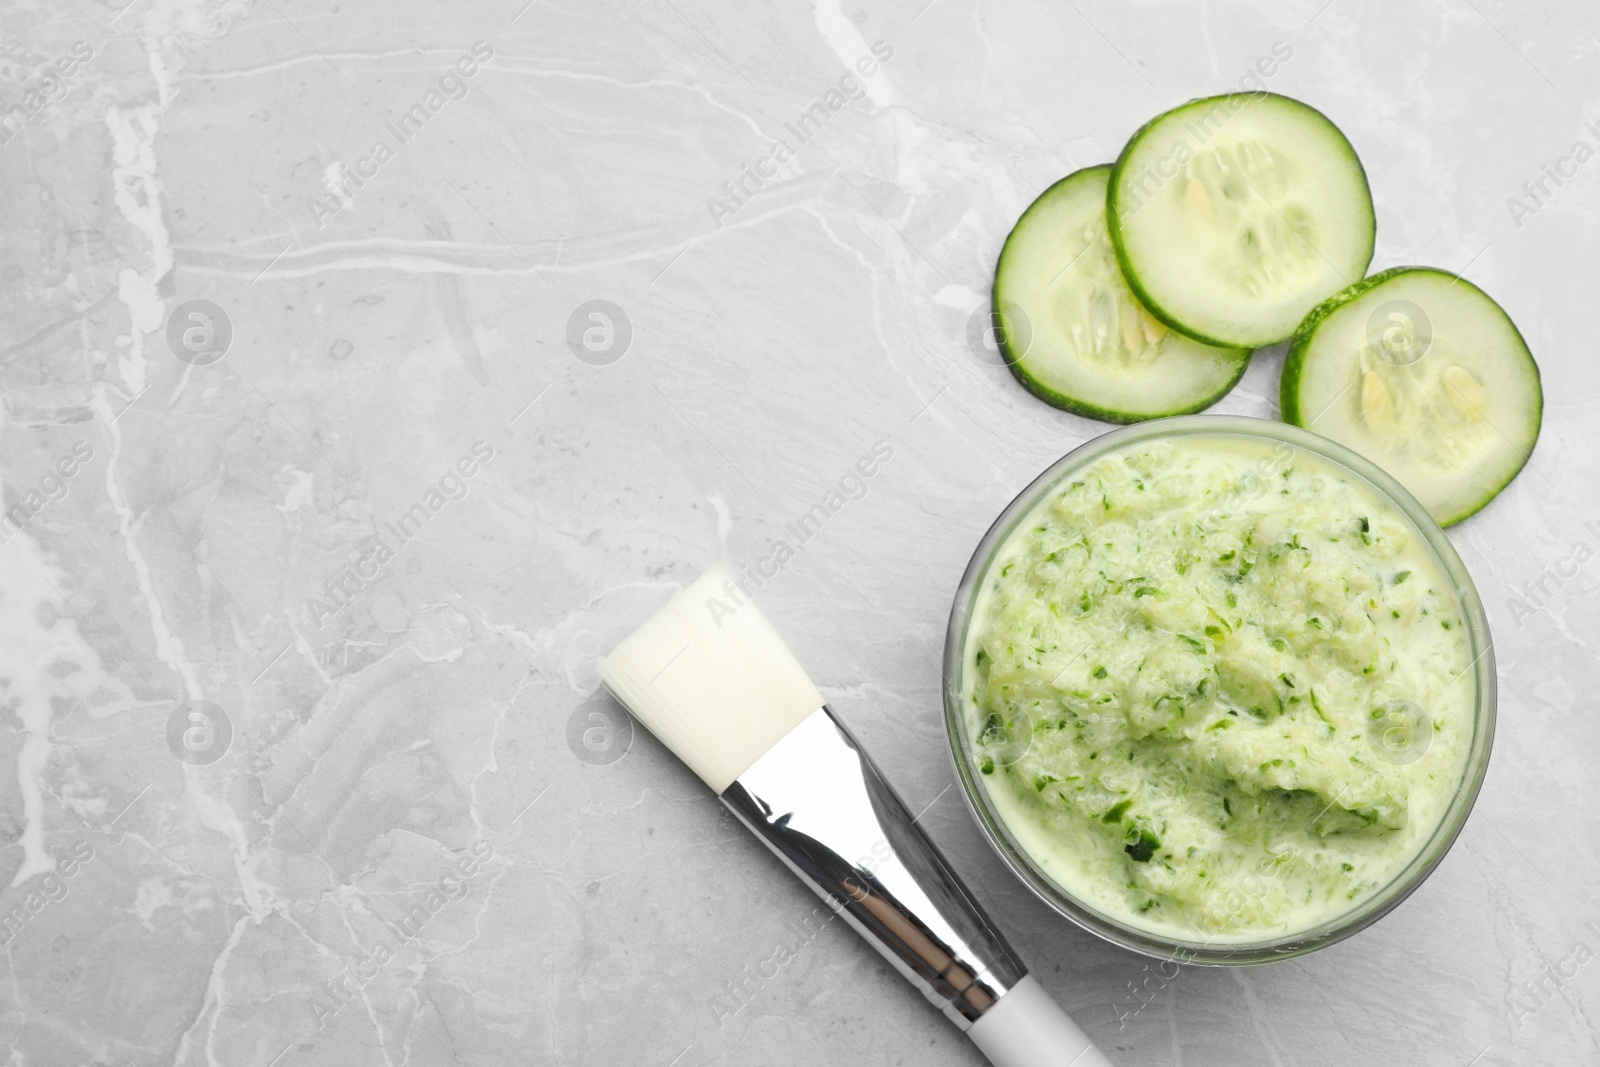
{"x":820,"y":803}
{"x":1027,"y":1028}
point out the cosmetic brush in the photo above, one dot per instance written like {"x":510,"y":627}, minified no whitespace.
{"x":717,"y":685}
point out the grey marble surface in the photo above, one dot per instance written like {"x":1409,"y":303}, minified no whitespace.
{"x":402,"y":831}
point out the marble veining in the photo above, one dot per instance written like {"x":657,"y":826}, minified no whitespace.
{"x":370,"y":370}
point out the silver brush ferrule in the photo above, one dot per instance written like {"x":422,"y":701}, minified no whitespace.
{"x":818,"y":801}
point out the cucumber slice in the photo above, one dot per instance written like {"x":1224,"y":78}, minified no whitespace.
{"x":1234,"y":215}
{"x":1421,"y":372}
{"x":1075,"y":335}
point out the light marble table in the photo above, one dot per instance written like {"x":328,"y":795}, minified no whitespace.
{"x":382,"y":498}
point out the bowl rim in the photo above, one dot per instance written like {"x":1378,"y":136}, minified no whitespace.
{"x":1374,"y":906}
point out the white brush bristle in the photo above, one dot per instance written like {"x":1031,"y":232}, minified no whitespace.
{"x":713,"y":681}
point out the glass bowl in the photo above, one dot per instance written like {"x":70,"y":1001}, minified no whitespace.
{"x":1363,"y":912}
